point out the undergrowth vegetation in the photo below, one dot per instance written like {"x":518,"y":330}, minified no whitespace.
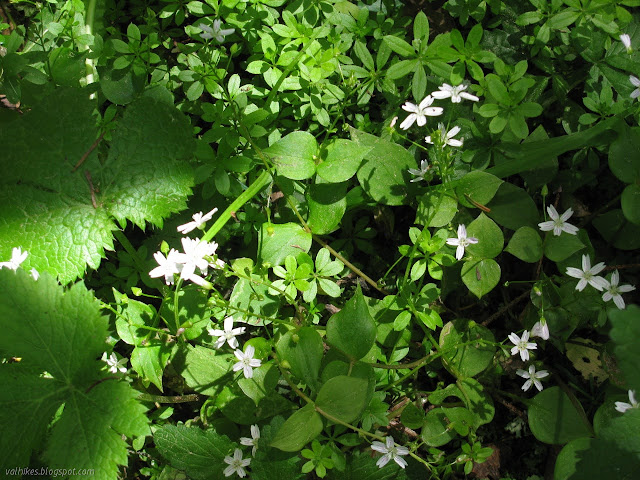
{"x":291,"y":239}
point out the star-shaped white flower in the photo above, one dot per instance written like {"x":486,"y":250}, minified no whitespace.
{"x":462,"y":241}
{"x":114,"y":364}
{"x":558,"y":222}
{"x":626,"y":41}
{"x":456,"y":93}
{"x":17,"y":257}
{"x":624,"y":406}
{"x":419,"y":113}
{"x":588,"y":274}
{"x":167,"y":267}
{"x":215,"y":32}
{"x":197,"y":255}
{"x":198,"y":221}
{"x":227,"y":335}
{"x":236,"y":464}
{"x":247,"y":363}
{"x":391,"y":451}
{"x":613,"y":290}
{"x":541,"y":329}
{"x":635,"y":81}
{"x":446,"y":138}
{"x":522,"y":345}
{"x":532,"y":377}
{"x":419,"y":174}
{"x":253,"y":441}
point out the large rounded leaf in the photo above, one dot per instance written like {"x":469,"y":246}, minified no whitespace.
{"x":293,"y":155}
{"x":352,"y":330}
{"x":461,"y":355}
{"x":299,"y":429}
{"x":554,"y":419}
{"x":344,"y":398}
{"x":480,"y":276}
{"x":302,"y":350}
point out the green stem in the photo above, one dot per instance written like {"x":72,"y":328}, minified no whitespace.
{"x":146,"y":397}
{"x":244,"y":197}
{"x":88,"y":29}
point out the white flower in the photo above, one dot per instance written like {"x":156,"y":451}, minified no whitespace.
{"x":626,"y":41}
{"x":541,"y":329}
{"x":215,"y":32}
{"x":419,"y":174}
{"x":198,"y":221}
{"x":533,"y":377}
{"x":635,"y":81}
{"x":624,"y":406}
{"x":236,"y":464}
{"x":588,"y":275}
{"x":115,"y":364}
{"x":166,"y":266}
{"x":247,"y":363}
{"x":391,"y":451}
{"x":446,"y":138}
{"x":522,"y":345}
{"x":200,"y":255}
{"x":227,"y":335}
{"x":253,"y":441}
{"x":557,"y":222}
{"x":419,"y":112}
{"x":393,"y":122}
{"x":35,"y":274}
{"x":456,"y":93}
{"x":462,"y":241}
{"x":17,"y":257}
{"x":613,"y":290}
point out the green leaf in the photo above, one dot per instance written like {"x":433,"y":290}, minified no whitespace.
{"x":263,"y":383}
{"x":419,"y":82}
{"x":436,"y":209}
{"x":435,"y":431}
{"x":630,"y":202}
{"x":399,"y":46}
{"x":327,"y":205}
{"x":421,"y":26}
{"x":204,"y":370}
{"x":526,"y":245}
{"x":384,"y":175}
{"x":299,"y":429}
{"x":559,"y":248}
{"x":563,"y":19}
{"x":480,"y":186}
{"x":480,"y":276}
{"x":67,"y":66}
{"x":461,"y":356}
{"x":352,"y":329}
{"x":554,"y":419}
{"x":624,"y":155}
{"x":197,"y":452}
{"x":294,"y":155}
{"x":303,"y":350}
{"x":512,"y":207}
{"x":497,"y":89}
{"x":344,"y":157}
{"x":276,"y":242}
{"x":625,"y":333}
{"x":118,"y":87}
{"x":61,"y":332}
{"x":489,"y":235}
{"x":360,"y":466}
{"x":149,"y":361}
{"x":344,"y":398}
{"x":402,"y":69}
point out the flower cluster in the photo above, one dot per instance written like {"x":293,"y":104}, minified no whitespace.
{"x":522,"y":345}
{"x":589,"y":276}
{"x":419,"y":113}
{"x":237,"y":464}
{"x":197,"y":255}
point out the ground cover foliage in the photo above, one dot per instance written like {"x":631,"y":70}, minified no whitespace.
{"x":320,"y":239}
